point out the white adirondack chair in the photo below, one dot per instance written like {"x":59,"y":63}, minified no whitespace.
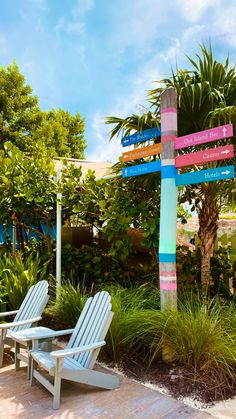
{"x":27,"y":316}
{"x":76,"y":362}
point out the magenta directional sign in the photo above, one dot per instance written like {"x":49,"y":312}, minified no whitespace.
{"x":210,"y":175}
{"x":202,"y":137}
{"x":212,"y":154}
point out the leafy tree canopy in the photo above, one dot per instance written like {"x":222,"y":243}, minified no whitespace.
{"x":62,"y":133}
{"x":23,"y":123}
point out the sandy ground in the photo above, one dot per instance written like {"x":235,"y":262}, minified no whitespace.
{"x":223,"y":410}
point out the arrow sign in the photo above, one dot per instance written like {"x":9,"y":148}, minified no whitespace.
{"x":150,"y":150}
{"x":202,"y":137}
{"x":212,"y":154}
{"x":210,"y":175}
{"x":142,"y":169}
{"x":139,"y":137}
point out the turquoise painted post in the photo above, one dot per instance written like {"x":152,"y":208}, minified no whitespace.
{"x":168,"y":213}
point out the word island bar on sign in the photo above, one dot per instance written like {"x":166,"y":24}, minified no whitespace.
{"x":207,"y":136}
{"x":150,"y":150}
{"x":210,"y":175}
{"x":212,"y":154}
{"x":142,"y":169}
{"x":139,"y":137}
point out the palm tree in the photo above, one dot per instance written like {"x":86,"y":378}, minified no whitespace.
{"x":206,"y":98}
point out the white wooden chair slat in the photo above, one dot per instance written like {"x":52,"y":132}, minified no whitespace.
{"x":90,"y":329}
{"x":31,"y":308}
{"x":95,"y":329}
{"x":85,"y":358}
{"x":32,"y":300}
{"x":82,"y":323}
{"x":34,"y":304}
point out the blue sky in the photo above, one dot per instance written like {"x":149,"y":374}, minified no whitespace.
{"x":100,"y":57}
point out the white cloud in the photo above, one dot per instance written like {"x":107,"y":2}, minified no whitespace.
{"x":194,"y":10}
{"x":224,"y":24}
{"x":70,"y":27}
{"x":76,"y":24}
{"x":142,"y":23}
{"x":40,"y":4}
{"x":171,"y":52}
{"x":82,"y":7}
{"x":192,"y":34}
{"x":134,"y":101}
{"x":104,"y":150}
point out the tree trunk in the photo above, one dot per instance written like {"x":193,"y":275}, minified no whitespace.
{"x":208,"y":225}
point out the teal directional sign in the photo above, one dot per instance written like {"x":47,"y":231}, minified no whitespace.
{"x":210,"y":175}
{"x":139,"y":137}
{"x":142,"y":169}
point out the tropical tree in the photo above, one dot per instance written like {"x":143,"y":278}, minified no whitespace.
{"x":27,"y":191}
{"x":23,"y":123}
{"x":19,"y":111}
{"x":62,"y":133}
{"x":206,"y":98}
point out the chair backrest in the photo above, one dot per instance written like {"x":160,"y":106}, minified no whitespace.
{"x":92,"y":327}
{"x":32,"y":305}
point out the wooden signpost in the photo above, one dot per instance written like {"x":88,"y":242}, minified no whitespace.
{"x":170,"y":179}
{"x":168,"y":211}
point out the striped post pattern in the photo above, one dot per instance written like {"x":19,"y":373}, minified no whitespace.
{"x":168,"y":215}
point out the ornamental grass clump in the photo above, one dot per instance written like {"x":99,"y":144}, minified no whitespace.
{"x":202,"y":338}
{"x":125,"y":302}
{"x":64,"y":311}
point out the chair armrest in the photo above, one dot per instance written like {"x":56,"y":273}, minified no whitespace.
{"x":8,"y":313}
{"x":19,"y":323}
{"x":61,"y":353}
{"x":51,"y":334}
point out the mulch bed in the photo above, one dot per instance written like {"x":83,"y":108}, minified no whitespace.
{"x":181,"y":382}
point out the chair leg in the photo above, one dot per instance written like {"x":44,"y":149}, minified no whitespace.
{"x":2,"y":338}
{"x":32,"y":368}
{"x":28,"y":361}
{"x":17,"y":351}
{"x":57,"y":384}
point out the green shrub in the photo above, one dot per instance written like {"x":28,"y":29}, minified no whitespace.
{"x":17,"y":275}
{"x":94,"y":266}
{"x":189,"y":270}
{"x":64,"y":311}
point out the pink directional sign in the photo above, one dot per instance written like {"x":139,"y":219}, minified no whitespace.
{"x":207,"y":136}
{"x":212,"y":154}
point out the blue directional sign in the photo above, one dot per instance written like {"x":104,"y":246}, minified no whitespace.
{"x":210,"y":175}
{"x":139,"y":137}
{"x":142,"y":169}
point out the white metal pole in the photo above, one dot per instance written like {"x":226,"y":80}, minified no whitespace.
{"x":13,"y":238}
{"x":58,"y":240}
